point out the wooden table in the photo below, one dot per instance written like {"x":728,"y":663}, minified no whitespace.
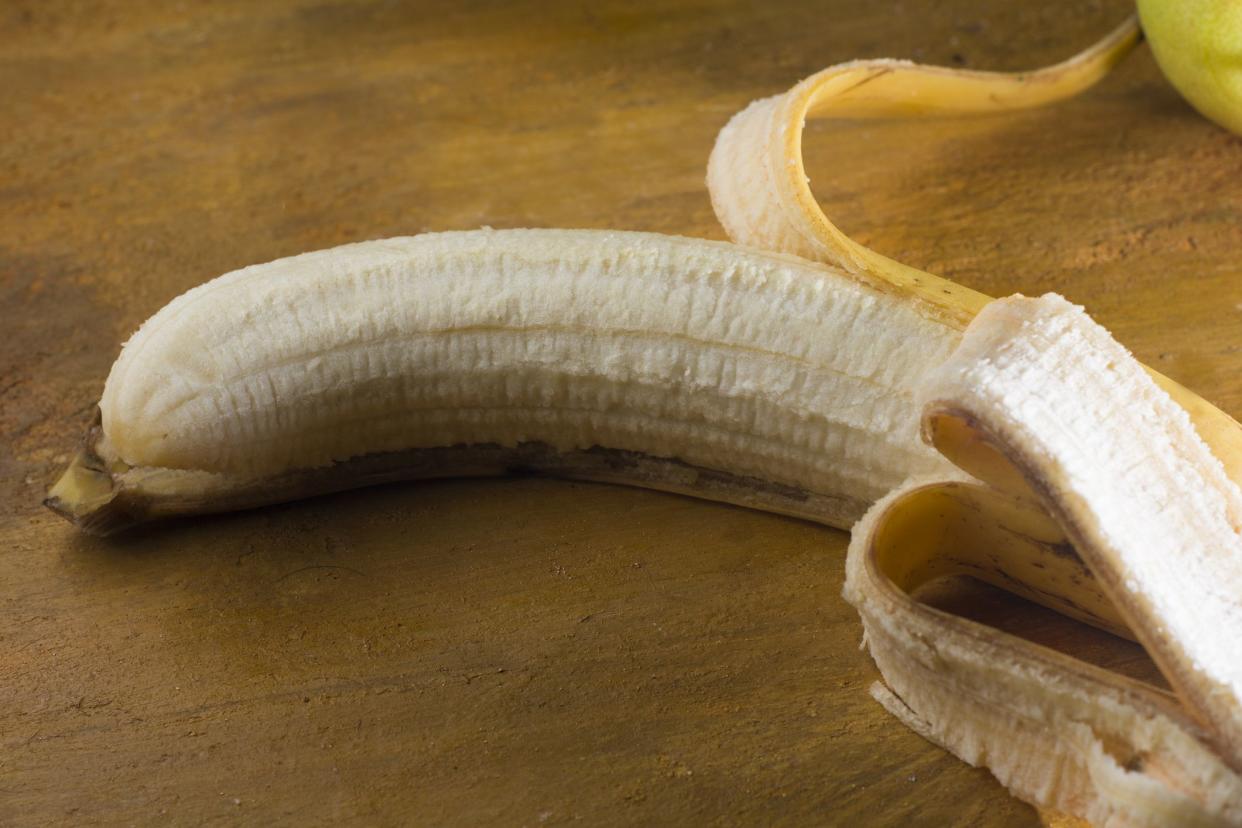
{"x":516,"y":652}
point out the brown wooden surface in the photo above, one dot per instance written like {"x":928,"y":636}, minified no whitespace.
{"x":517,"y":652}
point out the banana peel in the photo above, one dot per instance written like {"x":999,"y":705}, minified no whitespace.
{"x":1031,"y":418}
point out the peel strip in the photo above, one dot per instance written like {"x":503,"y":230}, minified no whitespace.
{"x":758,"y":182}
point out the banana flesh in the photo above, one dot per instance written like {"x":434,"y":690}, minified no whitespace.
{"x":689,"y":366}
{"x":327,"y":370}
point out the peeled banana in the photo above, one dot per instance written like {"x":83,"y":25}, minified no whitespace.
{"x":689,"y":365}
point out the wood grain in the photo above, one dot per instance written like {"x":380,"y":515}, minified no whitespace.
{"x":516,"y":652}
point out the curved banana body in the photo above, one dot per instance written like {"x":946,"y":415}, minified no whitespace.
{"x":327,"y":369}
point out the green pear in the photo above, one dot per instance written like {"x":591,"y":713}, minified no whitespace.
{"x":1198,"y":44}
